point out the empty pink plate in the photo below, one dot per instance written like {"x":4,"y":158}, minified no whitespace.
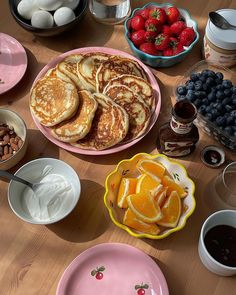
{"x":13,"y":62}
{"x":112,"y":269}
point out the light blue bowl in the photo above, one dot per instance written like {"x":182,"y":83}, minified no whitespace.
{"x":161,"y":61}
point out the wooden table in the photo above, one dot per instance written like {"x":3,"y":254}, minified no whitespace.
{"x":33,"y":258}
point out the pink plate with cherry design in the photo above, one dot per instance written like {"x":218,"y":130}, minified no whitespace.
{"x":112,"y":269}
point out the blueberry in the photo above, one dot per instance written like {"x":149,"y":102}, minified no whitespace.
{"x":234,"y":102}
{"x":197,"y":94}
{"x":206,"y":88}
{"x":218,"y":81}
{"x":208,"y":109}
{"x":220,"y":121}
{"x":228,"y":108}
{"x":209,"y":116}
{"x":228,"y":130}
{"x":202,"y":109}
{"x":194,"y":77}
{"x":234,"y":89}
{"x":203,"y":78}
{"x":226,"y":101}
{"x":202,"y":94}
{"x":227,"y":83}
{"x":198,"y":85}
{"x":182,"y":90}
{"x":219,"y":107}
{"x":220,"y":94}
{"x":190,"y":85}
{"x":233,"y":96}
{"x":205,"y":101}
{"x":197,"y":102}
{"x":210,"y":81}
{"x":233,"y":114}
{"x":219,"y":87}
{"x":227,"y":92}
{"x":219,"y":75}
{"x":190,"y":95}
{"x":214,"y":113}
{"x":181,"y":97}
{"x":211,"y":96}
{"x":230,"y":120}
{"x":211,"y":74}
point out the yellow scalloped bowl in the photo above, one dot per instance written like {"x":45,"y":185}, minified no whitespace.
{"x":127,"y":168}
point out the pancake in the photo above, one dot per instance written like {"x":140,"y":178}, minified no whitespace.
{"x":138,"y":85}
{"x":114,"y":67}
{"x":88,"y":67}
{"x":69,"y":67}
{"x":110,"y":125}
{"x":53,"y":100}
{"x":54,"y":72}
{"x":79,"y":125}
{"x":137,"y":109}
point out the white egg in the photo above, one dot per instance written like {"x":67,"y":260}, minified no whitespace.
{"x":71,"y":3}
{"x":42,"y":19}
{"x":49,"y":5}
{"x":26,"y":8}
{"x":63,"y":15}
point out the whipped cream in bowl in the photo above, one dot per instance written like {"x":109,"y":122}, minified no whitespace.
{"x":55,"y":197}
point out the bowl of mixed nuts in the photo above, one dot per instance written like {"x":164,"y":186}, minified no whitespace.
{"x":13,"y":138}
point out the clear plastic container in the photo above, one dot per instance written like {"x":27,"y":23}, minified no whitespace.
{"x":207,"y":126}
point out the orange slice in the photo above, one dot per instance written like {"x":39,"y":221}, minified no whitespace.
{"x":171,"y":211}
{"x":146,"y":183}
{"x":160,"y":196}
{"x":173,"y":186}
{"x":131,"y":220}
{"x":151,"y":168}
{"x":143,"y":206}
{"x":127,"y":187}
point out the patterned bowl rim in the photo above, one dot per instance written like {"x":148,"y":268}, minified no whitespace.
{"x":153,"y":57}
{"x":144,"y":235}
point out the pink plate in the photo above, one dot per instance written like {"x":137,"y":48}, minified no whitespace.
{"x":119,"y":147}
{"x":13,"y":62}
{"x":112,"y":269}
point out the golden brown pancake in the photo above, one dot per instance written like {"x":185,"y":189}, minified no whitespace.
{"x":114,"y":67}
{"x":53,"y":100}
{"x":110,"y":125}
{"x":79,"y":125}
{"x":137,"y":109}
{"x":138,"y":85}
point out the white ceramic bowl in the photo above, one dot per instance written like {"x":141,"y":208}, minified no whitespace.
{"x":223,"y":217}
{"x":32,"y":171}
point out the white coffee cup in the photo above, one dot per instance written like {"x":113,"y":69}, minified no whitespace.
{"x":223,"y":217}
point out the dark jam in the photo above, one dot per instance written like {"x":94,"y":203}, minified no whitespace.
{"x":212,"y":157}
{"x":220,"y":242}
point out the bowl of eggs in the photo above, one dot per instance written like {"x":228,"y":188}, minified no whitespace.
{"x":47,"y":17}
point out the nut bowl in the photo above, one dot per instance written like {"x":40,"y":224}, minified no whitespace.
{"x":161,"y":61}
{"x":127,"y":168}
{"x":206,"y":124}
{"x":79,"y":11}
{"x":12,"y":120}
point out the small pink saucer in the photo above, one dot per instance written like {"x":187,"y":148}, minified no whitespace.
{"x":112,"y":269}
{"x":13,"y":62}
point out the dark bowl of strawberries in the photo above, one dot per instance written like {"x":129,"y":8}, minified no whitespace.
{"x":161,"y":35}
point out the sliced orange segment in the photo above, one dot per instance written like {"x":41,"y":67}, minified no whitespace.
{"x":171,"y":211}
{"x":146,"y":183}
{"x":143,"y":206}
{"x":160,"y":196}
{"x":131,"y":220}
{"x":127,"y":187}
{"x":173,"y":186}
{"x":152,"y":168}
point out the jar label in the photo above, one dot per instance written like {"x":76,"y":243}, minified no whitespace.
{"x":180,"y":148}
{"x":180,"y":128}
{"x":211,"y":54}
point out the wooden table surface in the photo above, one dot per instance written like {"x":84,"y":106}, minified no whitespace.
{"x":33,"y":257}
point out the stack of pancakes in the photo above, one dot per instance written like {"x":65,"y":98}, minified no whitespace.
{"x":94,"y":100}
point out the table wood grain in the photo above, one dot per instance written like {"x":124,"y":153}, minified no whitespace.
{"x":33,"y":258}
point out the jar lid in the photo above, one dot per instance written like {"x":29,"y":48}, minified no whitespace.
{"x":225,"y":39}
{"x":213,"y":156}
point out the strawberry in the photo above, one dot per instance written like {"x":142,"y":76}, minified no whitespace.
{"x":158,"y":14}
{"x":138,"y":37}
{"x":145,"y":13}
{"x":166,"y":30}
{"x":150,"y":36}
{"x":153,"y":25}
{"x":137,"y":22}
{"x":162,"y":41}
{"x":176,"y":46}
{"x":172,"y":14}
{"x":168,"y":51}
{"x":187,"y":36}
{"x":149,"y":48}
{"x":177,"y":27}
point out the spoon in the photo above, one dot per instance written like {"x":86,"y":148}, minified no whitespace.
{"x":8,"y":175}
{"x":219,"y":21}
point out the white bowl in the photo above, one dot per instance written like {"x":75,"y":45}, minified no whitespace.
{"x":223,"y":217}
{"x":32,"y":171}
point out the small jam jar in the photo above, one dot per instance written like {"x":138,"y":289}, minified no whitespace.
{"x":178,"y":137}
{"x":220,"y":45}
